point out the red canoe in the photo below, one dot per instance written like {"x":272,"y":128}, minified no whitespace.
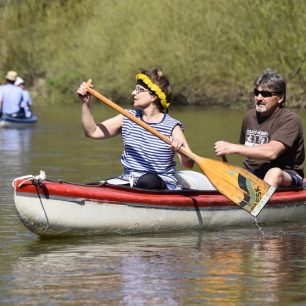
{"x":60,"y":208}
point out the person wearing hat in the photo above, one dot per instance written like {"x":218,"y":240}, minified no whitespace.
{"x":11,"y":97}
{"x":147,"y":161}
{"x":27,"y":101}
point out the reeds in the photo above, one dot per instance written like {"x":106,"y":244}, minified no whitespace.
{"x":211,"y":50}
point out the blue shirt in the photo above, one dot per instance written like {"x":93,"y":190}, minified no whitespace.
{"x":27,"y":102}
{"x":144,"y":152}
{"x":11,"y":97}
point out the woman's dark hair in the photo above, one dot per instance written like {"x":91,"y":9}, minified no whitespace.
{"x":158,"y":78}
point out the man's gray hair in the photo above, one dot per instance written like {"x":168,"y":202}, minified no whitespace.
{"x":273,"y":81}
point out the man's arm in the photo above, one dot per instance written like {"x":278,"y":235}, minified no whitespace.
{"x":267,"y":151}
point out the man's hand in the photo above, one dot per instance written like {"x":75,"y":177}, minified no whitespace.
{"x":224,"y":148}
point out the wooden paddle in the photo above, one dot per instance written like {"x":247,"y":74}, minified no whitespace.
{"x":236,"y":183}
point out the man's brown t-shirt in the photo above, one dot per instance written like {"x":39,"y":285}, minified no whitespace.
{"x":284,"y":126}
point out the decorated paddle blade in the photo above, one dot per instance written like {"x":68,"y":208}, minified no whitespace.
{"x":238,"y":185}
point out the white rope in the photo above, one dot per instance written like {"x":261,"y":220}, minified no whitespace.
{"x":42,"y":176}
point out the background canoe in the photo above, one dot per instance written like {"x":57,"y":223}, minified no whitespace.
{"x":10,"y":122}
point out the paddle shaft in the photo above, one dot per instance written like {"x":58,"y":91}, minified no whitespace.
{"x":237,"y":184}
{"x":146,"y":126}
{"x":224,"y":158}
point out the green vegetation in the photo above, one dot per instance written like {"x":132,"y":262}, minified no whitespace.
{"x":212,"y":50}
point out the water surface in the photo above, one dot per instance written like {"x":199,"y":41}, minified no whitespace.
{"x":233,"y":266}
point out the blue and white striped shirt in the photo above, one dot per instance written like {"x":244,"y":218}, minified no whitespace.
{"x":144,"y":152}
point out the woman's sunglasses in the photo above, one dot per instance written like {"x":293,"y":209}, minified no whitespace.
{"x":265,"y":93}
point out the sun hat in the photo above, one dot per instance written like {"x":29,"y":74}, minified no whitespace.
{"x":19,"y":81}
{"x":11,"y":75}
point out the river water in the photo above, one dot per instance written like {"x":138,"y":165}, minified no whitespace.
{"x":235,"y":266}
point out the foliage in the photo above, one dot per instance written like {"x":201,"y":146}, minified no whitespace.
{"x":212,"y":50}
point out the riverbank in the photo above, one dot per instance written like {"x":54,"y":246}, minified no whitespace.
{"x":232,"y":99}
{"x":211,"y":50}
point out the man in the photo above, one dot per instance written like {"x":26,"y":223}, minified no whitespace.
{"x":271,"y":138}
{"x":11,"y":96}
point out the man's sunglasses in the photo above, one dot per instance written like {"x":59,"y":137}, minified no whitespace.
{"x":265,"y":93}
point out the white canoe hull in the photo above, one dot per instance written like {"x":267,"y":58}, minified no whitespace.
{"x":62,"y":216}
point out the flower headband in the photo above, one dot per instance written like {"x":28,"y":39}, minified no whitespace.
{"x":155,"y":88}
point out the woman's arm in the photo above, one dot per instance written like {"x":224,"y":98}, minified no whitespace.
{"x":178,"y":140}
{"x":106,"y":129}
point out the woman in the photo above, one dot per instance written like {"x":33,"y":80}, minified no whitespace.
{"x":147,"y":161}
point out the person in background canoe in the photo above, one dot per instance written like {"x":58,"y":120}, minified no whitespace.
{"x":27,"y":101}
{"x":147,"y":161}
{"x":271,"y":138}
{"x":11,"y":97}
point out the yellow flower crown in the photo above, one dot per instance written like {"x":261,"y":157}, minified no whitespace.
{"x":155,"y":88}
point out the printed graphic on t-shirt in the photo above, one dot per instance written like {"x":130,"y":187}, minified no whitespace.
{"x":255,"y":137}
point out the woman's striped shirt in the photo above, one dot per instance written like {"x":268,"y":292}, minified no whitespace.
{"x":144,"y":152}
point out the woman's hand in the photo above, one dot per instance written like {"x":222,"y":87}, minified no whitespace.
{"x":176,"y":143}
{"x":82,"y":92}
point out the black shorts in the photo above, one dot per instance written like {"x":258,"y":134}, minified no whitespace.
{"x":297,"y":181}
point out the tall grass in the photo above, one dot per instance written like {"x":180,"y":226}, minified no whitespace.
{"x":211,"y":50}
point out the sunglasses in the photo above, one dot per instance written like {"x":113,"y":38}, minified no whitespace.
{"x":265,"y":93}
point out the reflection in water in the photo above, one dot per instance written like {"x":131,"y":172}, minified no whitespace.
{"x":15,"y":145}
{"x":247,"y":266}
{"x":213,"y":268}
{"x":15,"y":150}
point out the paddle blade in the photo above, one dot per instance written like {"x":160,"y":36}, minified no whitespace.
{"x":237,"y":184}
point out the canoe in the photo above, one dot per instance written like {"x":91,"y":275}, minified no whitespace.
{"x":11,"y":122}
{"x":61,"y":208}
